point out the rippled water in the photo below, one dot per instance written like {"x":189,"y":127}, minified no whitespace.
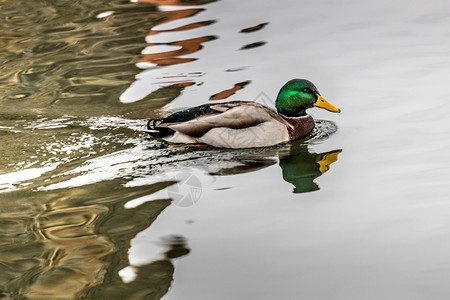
{"x":93,"y":208}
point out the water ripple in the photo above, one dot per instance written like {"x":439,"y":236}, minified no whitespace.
{"x":72,"y":55}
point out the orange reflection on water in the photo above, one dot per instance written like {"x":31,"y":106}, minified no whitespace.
{"x":185,"y":27}
{"x":172,"y":57}
{"x":188,"y":46}
{"x":169,"y":16}
{"x":177,"y":2}
{"x":229,"y":92}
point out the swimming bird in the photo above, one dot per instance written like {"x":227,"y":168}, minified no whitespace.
{"x":245,"y":124}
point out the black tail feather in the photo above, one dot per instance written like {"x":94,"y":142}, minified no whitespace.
{"x":158,"y":132}
{"x":151,"y":124}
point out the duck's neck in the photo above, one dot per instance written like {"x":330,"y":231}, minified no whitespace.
{"x":299,"y":126}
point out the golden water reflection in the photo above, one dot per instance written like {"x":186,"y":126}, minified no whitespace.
{"x":72,"y":243}
{"x":70,"y":57}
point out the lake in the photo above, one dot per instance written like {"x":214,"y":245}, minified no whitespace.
{"x":91,"y":207}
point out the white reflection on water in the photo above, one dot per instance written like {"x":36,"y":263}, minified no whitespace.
{"x":106,"y":167}
{"x":77,"y":138}
{"x":9,"y":181}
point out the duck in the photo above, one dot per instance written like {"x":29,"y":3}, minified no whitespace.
{"x":245,"y":124}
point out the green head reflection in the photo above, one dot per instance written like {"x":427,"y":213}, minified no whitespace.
{"x":301,"y":167}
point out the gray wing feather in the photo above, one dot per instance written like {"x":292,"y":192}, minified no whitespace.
{"x":235,"y":115}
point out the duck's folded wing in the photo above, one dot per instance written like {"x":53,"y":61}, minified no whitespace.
{"x":235,"y":117}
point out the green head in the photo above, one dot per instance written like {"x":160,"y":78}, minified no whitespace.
{"x":297,"y":95}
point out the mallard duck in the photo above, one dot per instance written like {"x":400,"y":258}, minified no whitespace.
{"x":245,"y":124}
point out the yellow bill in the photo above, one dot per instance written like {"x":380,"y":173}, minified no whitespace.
{"x":322,"y":103}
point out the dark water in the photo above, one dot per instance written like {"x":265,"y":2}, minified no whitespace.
{"x":92,"y":208}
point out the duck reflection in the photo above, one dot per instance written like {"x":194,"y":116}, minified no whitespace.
{"x":301,"y":167}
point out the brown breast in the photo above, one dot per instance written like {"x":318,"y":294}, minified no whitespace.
{"x":299,"y":126}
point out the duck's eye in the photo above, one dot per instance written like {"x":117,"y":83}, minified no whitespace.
{"x":308,"y":91}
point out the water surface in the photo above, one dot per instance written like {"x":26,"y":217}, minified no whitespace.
{"x":91,"y":207}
